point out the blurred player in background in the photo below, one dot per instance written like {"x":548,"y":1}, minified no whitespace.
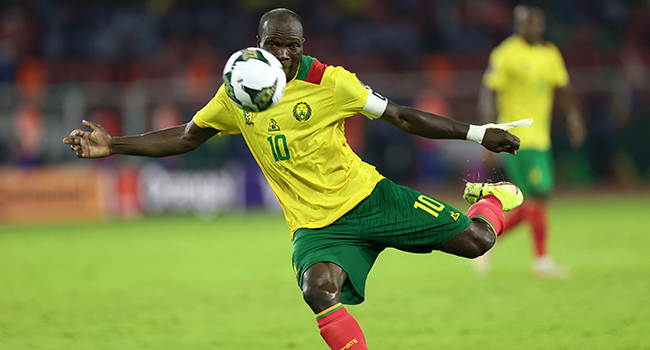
{"x":523,"y":75}
{"x":341,"y":212}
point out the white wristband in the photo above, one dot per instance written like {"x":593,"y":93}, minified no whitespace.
{"x":475,"y":133}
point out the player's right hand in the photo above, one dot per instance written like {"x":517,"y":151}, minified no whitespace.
{"x":87,"y":144}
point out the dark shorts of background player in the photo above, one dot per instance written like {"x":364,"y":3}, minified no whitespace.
{"x":392,"y":216}
{"x":532,"y":171}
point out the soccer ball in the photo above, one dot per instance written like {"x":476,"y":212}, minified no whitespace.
{"x":254,"y":79}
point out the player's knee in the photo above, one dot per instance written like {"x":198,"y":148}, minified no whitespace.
{"x":319,"y":292}
{"x":482,"y":237}
{"x":472,"y":242}
{"x":321,"y":285}
{"x":479,"y":248}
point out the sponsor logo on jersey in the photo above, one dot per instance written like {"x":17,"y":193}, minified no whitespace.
{"x":302,"y":111}
{"x":273,"y":125}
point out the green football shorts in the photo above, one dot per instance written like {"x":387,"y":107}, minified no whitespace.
{"x":531,"y":171}
{"x":392,"y":216}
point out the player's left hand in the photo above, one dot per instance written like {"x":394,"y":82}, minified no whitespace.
{"x":497,"y":140}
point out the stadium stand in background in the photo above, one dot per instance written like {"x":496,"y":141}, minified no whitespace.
{"x":136,"y":66}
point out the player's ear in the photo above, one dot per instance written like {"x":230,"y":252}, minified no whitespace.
{"x":259,"y":41}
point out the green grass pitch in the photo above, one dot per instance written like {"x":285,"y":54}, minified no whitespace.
{"x":181,"y":282}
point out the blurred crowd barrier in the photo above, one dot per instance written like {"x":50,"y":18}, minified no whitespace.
{"x":84,"y":193}
{"x":48,"y":194}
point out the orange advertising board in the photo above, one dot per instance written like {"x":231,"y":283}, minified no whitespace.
{"x":50,"y":194}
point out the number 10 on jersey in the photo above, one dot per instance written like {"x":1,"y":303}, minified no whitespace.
{"x":429,"y":205}
{"x":279,"y":147}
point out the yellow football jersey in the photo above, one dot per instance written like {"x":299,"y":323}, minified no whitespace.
{"x":300,"y":143}
{"x":525,"y":77}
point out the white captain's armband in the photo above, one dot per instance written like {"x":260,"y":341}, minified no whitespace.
{"x":375,"y":105}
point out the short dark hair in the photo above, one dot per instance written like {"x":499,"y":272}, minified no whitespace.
{"x":531,"y":5}
{"x":526,"y":6}
{"x":279,"y":13}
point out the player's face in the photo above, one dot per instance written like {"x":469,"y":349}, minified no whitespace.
{"x":284,"y":40}
{"x":531,"y":26}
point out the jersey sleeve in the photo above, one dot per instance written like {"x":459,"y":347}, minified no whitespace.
{"x":560,"y":74}
{"x":354,"y":97}
{"x":219,"y":114}
{"x":495,"y":75}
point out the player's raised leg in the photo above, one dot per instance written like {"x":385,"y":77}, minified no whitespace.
{"x":489,"y":201}
{"x":321,"y":288}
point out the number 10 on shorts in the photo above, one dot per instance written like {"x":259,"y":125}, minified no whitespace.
{"x":429,"y":205}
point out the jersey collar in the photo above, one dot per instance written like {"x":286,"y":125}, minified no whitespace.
{"x":524,"y":42}
{"x":297,"y":71}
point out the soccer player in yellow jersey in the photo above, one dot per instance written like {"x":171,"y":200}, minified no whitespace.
{"x":524,"y":73}
{"x":341,"y":212}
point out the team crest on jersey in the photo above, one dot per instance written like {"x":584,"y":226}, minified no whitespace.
{"x":454,"y":216}
{"x":273,"y":125}
{"x":249,"y":121}
{"x":301,"y":111}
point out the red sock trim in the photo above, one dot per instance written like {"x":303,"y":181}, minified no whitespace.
{"x":486,"y":221}
{"x":328,"y":311}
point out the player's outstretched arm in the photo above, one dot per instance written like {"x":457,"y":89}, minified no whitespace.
{"x":416,"y":122}
{"x":575,"y":123}
{"x":97,"y":143}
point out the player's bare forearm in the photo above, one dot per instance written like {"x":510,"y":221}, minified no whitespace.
{"x":97,"y":143}
{"x":162,"y":143}
{"x":433,"y":126}
{"x":423,"y":124}
{"x":568,"y":102}
{"x":575,"y":123}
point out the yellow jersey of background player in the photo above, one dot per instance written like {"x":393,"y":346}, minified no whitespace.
{"x":525,"y":77}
